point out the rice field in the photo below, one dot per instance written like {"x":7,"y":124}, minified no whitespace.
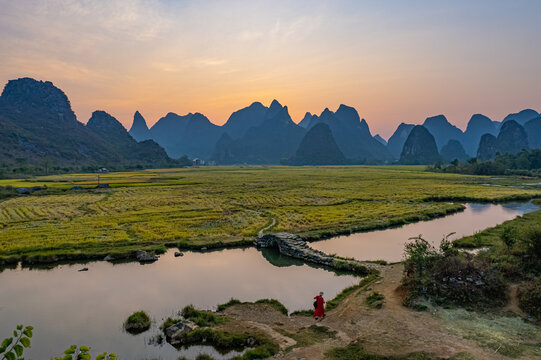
{"x":221,"y":206}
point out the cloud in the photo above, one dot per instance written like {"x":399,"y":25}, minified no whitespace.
{"x":210,"y":62}
{"x":141,"y":20}
{"x":297,"y":28}
{"x":250,"y":35}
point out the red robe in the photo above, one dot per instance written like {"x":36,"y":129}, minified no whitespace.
{"x":320,"y":308}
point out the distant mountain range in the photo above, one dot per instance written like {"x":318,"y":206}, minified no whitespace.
{"x":38,"y":125}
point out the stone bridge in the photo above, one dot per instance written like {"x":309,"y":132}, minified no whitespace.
{"x":292,"y":245}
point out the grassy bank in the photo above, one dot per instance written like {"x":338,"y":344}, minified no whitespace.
{"x":492,"y":236}
{"x":225,"y":206}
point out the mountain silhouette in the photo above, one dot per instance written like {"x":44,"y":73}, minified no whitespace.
{"x":453,"y":150}
{"x":192,"y":134}
{"x":276,"y":138}
{"x":511,"y":139}
{"x":442,"y":130}
{"x":397,"y":140}
{"x":112,"y":131}
{"x":533,"y":129}
{"x":522,"y":117}
{"x":488,"y":147}
{"x":307,"y":120}
{"x":37,"y":125}
{"x":380,"y":139}
{"x":419,"y":148}
{"x":477,"y":127}
{"x":139,"y":129}
{"x":318,"y":147}
{"x":241,"y":120}
{"x":353,"y":135}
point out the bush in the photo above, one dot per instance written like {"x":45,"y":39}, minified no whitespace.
{"x":375,"y":299}
{"x":529,"y":297}
{"x":231,"y":302}
{"x":272,"y":302}
{"x":224,"y":340}
{"x":137,"y":322}
{"x":201,"y":318}
{"x":275,"y":304}
{"x":451,"y":277}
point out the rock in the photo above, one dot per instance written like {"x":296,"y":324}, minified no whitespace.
{"x":83,"y":269}
{"x":178,"y":253}
{"x":144,"y":256}
{"x":295,"y":247}
{"x":175,"y":332}
{"x":204,"y":248}
{"x":109,"y":258}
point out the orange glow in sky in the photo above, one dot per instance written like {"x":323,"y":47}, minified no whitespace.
{"x":394,"y":61}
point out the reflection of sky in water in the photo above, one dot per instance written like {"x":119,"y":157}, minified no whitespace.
{"x":389,"y":244}
{"x":70,"y":307}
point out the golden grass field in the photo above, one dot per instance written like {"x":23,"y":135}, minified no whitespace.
{"x":221,"y":206}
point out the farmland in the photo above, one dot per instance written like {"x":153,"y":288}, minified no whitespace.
{"x":226,"y":206}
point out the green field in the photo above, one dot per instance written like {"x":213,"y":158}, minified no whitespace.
{"x":223,"y":206}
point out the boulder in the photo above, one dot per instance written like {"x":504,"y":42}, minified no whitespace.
{"x":174,"y":333}
{"x":144,"y":256}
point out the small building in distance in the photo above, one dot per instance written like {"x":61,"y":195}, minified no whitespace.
{"x":198,"y":162}
{"x":103,"y":170}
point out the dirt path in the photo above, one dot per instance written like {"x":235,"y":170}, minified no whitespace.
{"x":262,"y":231}
{"x":392,"y":330}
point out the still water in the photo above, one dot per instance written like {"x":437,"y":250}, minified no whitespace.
{"x":70,"y":307}
{"x":389,"y":244}
{"x":88,"y":308}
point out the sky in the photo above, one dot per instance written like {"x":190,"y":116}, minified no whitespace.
{"x":394,"y":61}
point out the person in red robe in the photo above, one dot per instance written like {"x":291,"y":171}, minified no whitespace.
{"x":319,"y":312}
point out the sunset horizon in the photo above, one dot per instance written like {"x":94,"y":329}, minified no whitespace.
{"x":401,"y":63}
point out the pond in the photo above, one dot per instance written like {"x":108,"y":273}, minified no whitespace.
{"x":68,"y":307}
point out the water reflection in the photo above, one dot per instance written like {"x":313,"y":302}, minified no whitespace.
{"x":389,"y":244}
{"x":88,"y":308}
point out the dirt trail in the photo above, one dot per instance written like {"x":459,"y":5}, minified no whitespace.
{"x":262,"y":231}
{"x":392,"y":330}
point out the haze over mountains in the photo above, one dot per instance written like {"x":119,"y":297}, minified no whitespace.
{"x":37,"y":125}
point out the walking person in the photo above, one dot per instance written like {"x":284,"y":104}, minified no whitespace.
{"x":319,"y":305}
